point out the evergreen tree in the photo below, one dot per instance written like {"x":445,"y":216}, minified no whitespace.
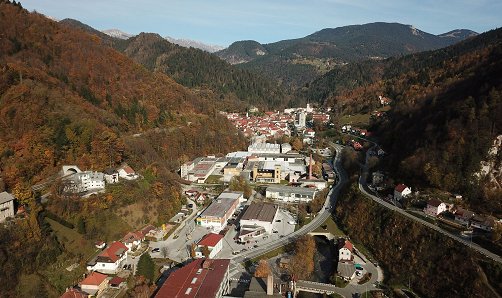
{"x":146,"y":267}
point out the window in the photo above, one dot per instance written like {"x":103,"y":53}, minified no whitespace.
{"x":199,"y":271}
{"x":194,"y":280}
{"x":187,"y":292}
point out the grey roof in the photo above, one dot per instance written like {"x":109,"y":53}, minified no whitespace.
{"x":346,"y":269}
{"x":218,"y":207}
{"x":6,"y":197}
{"x":292,"y":189}
{"x":231,"y":195}
{"x":260,"y":211}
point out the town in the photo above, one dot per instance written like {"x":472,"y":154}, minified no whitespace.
{"x":247,"y":204}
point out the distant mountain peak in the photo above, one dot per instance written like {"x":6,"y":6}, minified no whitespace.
{"x":459,"y":34}
{"x":187,"y":43}
{"x":117,"y":33}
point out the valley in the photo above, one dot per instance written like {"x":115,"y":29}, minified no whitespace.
{"x":356,"y":161}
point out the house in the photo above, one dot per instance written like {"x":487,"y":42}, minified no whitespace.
{"x":74,"y":293}
{"x":377,"y":178}
{"x":212,"y":242}
{"x":463,"y":216}
{"x":127,"y":173}
{"x":357,"y":146}
{"x":435,"y":207}
{"x":258,"y":219}
{"x":111,"y":176}
{"x":110,"y":260}
{"x":133,"y":240}
{"x":401,"y":191}
{"x":200,"y":279}
{"x":201,"y":198}
{"x":290,"y":193}
{"x":318,"y":184}
{"x":94,"y":284}
{"x":346,"y":270}
{"x":309,"y":133}
{"x":100,"y":244}
{"x":6,"y":206}
{"x":483,"y":223}
{"x":345,"y":252}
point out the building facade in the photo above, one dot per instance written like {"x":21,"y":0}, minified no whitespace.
{"x":290,"y":194}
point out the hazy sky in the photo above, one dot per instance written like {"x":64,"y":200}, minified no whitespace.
{"x":225,"y":21}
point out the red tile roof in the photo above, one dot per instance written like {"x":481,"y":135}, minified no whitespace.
{"x":132,"y":236}
{"x":201,"y":278}
{"x":400,"y":187}
{"x":116,"y":281}
{"x":210,"y":240}
{"x":434,"y":202}
{"x":348,"y":245}
{"x":95,"y":279}
{"x":114,"y":251}
{"x":127,"y":169}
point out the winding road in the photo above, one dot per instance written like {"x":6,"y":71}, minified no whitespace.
{"x":363,"y":187}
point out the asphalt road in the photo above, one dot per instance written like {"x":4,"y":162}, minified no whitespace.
{"x":324,"y":214}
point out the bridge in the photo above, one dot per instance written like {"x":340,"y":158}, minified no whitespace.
{"x":328,"y":235}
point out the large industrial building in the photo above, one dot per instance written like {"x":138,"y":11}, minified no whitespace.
{"x":221,"y":209}
{"x":290,"y":194}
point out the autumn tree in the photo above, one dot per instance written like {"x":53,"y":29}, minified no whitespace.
{"x":302,"y":263}
{"x":239,"y":183}
{"x":296,"y":144}
{"x":205,"y":251}
{"x":23,"y":193}
{"x":263,"y":269}
{"x":192,"y":250}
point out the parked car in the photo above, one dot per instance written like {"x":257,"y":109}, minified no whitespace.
{"x":156,"y":249}
{"x":277,"y":220}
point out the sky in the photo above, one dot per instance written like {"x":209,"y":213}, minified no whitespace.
{"x":222,"y":22}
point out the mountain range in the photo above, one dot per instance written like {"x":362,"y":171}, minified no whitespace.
{"x":190,"y":43}
{"x":295,"y":62}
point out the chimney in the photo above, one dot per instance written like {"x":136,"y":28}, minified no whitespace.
{"x":270,"y":285}
{"x":310,"y":166}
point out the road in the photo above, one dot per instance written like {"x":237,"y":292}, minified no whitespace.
{"x":363,"y":187}
{"x":324,"y":214}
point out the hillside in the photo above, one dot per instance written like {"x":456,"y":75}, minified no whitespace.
{"x":301,"y":60}
{"x":85,"y":92}
{"x":200,"y":70}
{"x":411,"y":254}
{"x":67,"y":97}
{"x":445,"y":116}
{"x":230,"y":88}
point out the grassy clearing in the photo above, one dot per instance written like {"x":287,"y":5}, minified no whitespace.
{"x":71,"y":239}
{"x":214,"y":179}
{"x":331,"y":227}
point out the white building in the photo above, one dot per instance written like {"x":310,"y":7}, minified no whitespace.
{"x":286,"y":147}
{"x":127,"y":173}
{"x":345,"y":252}
{"x":290,"y":194}
{"x":110,"y":260}
{"x":264,"y":148}
{"x":214,"y":244}
{"x":435,"y":207}
{"x":401,"y":191}
{"x":302,"y":119}
{"x":111,"y":176}
{"x":6,"y":206}
{"x":132,"y":240}
{"x":259,"y":215}
{"x":87,"y":181}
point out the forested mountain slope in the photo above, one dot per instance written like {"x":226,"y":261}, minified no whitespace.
{"x":446,"y":114}
{"x":295,"y":62}
{"x":67,"y":97}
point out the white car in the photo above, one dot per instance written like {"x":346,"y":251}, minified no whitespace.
{"x":292,"y":222}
